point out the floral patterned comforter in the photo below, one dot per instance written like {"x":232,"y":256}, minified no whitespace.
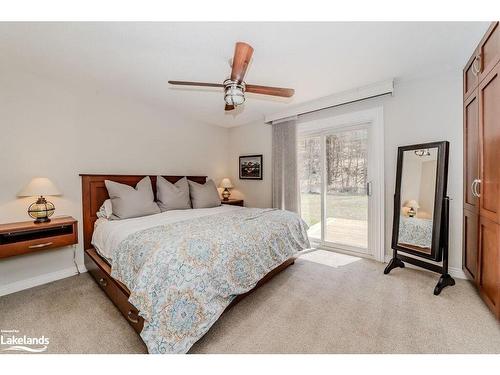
{"x":183,"y":275}
{"x":415,"y":231}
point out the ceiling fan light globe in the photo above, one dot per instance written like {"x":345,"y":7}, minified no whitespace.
{"x":234,"y":99}
{"x":234,"y":94}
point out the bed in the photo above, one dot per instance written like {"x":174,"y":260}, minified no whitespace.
{"x":173,"y":274}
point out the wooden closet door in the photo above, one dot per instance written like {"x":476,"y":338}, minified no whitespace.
{"x":489,"y":138}
{"x":471,"y":153}
{"x":489,"y":265}
{"x":471,"y":175}
{"x":489,"y":51}
{"x":470,"y":244}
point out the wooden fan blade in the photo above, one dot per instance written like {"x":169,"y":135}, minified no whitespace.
{"x":229,"y":107}
{"x":268,"y":90}
{"x":203,"y":84}
{"x":242,"y":54}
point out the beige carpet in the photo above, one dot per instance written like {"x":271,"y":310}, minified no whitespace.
{"x":324,"y":303}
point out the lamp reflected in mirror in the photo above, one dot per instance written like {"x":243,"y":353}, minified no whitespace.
{"x":226,"y":184}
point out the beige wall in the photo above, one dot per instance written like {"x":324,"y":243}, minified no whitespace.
{"x":89,"y":131}
{"x":411,"y":178}
{"x":423,"y":109}
{"x":428,"y":187}
{"x":53,"y":130}
{"x":251,"y":139}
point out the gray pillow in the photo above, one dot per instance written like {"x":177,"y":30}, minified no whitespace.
{"x":128,"y":202}
{"x":172,"y":196}
{"x":204,"y":195}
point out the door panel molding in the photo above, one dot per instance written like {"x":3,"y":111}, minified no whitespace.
{"x":489,"y":51}
{"x":489,"y":127}
{"x":489,"y":265}
{"x":470,"y":244}
{"x":471,"y":152}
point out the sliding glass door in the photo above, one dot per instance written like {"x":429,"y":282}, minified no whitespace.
{"x":346,"y":178}
{"x":334,"y":178}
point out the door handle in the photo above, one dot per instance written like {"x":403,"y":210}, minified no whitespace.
{"x":478,"y":61}
{"x":369,"y":188}
{"x":473,"y":68}
{"x":130,"y":317}
{"x":474,"y":189}
{"x":476,"y":69}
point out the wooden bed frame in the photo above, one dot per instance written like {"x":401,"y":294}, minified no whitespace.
{"x":94,"y":194}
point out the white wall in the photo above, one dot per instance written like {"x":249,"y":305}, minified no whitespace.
{"x":89,"y":131}
{"x":411,"y":179}
{"x":252,"y":139}
{"x":423,"y":109}
{"x":427,"y":187}
{"x":57,"y":131}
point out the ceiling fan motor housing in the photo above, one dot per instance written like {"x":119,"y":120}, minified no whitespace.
{"x":234,"y":92}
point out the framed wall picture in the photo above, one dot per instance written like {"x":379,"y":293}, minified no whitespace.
{"x":251,"y":167}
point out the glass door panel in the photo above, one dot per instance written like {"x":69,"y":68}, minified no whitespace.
{"x":309,"y":170}
{"x":346,"y":199}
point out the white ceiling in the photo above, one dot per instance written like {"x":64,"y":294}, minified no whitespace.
{"x":317,"y":59}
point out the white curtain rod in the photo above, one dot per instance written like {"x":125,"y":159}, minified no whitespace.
{"x":343,"y":98}
{"x":279,"y":121}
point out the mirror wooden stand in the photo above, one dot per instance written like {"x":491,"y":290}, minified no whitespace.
{"x":421,"y":210}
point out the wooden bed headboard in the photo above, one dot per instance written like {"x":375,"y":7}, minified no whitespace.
{"x":94,"y":193}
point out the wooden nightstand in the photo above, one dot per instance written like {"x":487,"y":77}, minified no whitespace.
{"x":27,"y":237}
{"x":233,"y":202}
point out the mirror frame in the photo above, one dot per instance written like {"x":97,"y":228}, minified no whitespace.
{"x":439,"y":195}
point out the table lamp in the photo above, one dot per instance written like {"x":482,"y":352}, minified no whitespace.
{"x":414,"y":206}
{"x":42,"y":209}
{"x":226,"y":184}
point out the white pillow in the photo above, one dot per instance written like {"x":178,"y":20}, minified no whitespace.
{"x":106,"y":210}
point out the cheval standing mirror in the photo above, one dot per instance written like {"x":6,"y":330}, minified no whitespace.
{"x":420,"y":224}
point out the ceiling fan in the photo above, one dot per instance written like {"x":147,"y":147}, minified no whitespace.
{"x":235,"y":87}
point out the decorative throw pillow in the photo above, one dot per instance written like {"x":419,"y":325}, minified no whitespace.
{"x":106,"y":210}
{"x":172,"y":196}
{"x":204,"y":195}
{"x":128,"y":202}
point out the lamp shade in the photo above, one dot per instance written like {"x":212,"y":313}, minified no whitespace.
{"x":39,"y":186}
{"x":226,"y":183}
{"x":412,"y":204}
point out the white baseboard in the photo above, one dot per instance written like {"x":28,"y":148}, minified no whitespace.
{"x":453,"y":271}
{"x":457,"y":273}
{"x":40,"y":280}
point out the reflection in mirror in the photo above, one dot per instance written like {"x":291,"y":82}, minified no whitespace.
{"x":418,"y":188}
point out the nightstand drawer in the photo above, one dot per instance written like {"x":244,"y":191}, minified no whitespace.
{"x":24,"y":247}
{"x":34,"y":234}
